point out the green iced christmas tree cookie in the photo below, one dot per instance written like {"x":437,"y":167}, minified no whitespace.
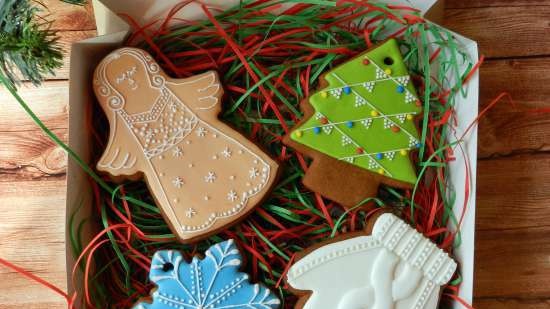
{"x":365,"y":117}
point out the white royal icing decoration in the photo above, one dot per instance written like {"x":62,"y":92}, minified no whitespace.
{"x":232,"y":195}
{"x":360,"y":101}
{"x":380,"y":73}
{"x":201,"y":132}
{"x":253,"y":173}
{"x":369,"y":86}
{"x":128,"y":75}
{"x":178,"y":182}
{"x":177,"y":152}
{"x":210,"y":177}
{"x":395,"y":267}
{"x":403,"y":80}
{"x":346,"y":140}
{"x":366,"y":123}
{"x":190,"y":213}
{"x":226,"y":153}
{"x":337,"y":93}
{"x":409,"y":97}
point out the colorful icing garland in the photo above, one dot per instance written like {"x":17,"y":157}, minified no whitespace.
{"x":365,"y":114}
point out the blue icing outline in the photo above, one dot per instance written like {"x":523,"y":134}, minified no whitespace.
{"x":214,"y":282}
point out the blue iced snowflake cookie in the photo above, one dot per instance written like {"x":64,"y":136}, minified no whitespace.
{"x":214,"y":282}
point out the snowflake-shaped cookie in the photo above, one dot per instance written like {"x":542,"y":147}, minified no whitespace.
{"x":211,"y":283}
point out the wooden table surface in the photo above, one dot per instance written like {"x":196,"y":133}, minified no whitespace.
{"x":512,"y":267}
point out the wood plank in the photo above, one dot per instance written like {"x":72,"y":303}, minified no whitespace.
{"x":66,"y":39}
{"x":507,"y":129}
{"x":32,"y":230}
{"x":504,"y":31}
{"x":49,"y":102}
{"x":27,"y":153}
{"x":461,"y":4}
{"x":512,"y":263}
{"x":30,"y":155}
{"x":65,"y":16}
{"x":511,"y":303}
{"x":513,"y":193}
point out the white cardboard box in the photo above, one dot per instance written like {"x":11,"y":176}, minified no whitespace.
{"x":86,"y":54}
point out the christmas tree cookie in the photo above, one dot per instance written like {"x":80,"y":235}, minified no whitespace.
{"x":359,"y":127}
{"x":392,"y":267}
{"x":203,"y":174}
{"x":214,"y":282}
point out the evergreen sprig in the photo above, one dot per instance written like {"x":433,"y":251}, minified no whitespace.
{"x":29,"y":49}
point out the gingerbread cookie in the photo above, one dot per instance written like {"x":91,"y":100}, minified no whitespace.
{"x":203,"y":174}
{"x":394,"y":267}
{"x":359,"y":127}
{"x":211,"y":283}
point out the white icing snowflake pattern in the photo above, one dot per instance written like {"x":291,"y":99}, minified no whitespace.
{"x":201,"y":132}
{"x":226,"y":153}
{"x":190,"y":213}
{"x":232,"y":195}
{"x":253,"y":173}
{"x":210,"y":177}
{"x":177,"y":182}
{"x":177,"y":152}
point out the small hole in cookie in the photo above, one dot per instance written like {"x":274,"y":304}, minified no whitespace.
{"x":167,"y":267}
{"x":388,"y":61}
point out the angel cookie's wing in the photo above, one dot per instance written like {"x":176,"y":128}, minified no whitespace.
{"x":122,"y":155}
{"x":201,"y":93}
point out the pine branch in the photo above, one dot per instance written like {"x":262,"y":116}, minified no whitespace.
{"x":29,"y":49}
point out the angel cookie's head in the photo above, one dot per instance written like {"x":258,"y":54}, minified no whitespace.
{"x":128,"y":75}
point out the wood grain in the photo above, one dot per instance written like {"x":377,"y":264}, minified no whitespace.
{"x":49,"y":102}
{"x":65,"y":16}
{"x":33,"y":212}
{"x":30,"y":156}
{"x":32,"y":232}
{"x":26,"y":152}
{"x":474,"y":4}
{"x":507,"y":129}
{"x":66,"y":39}
{"x":513,"y":193}
{"x":512,"y":263}
{"x":504,"y":31}
{"x":511,"y":303}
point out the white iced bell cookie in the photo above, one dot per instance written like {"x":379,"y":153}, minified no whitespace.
{"x":394,"y":268}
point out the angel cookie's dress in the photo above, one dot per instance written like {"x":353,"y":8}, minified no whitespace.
{"x":203,"y":174}
{"x":201,"y":170}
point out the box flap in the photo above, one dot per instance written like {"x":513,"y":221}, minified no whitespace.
{"x":108,"y":21}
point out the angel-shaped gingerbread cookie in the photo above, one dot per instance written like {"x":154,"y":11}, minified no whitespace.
{"x":203,"y":174}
